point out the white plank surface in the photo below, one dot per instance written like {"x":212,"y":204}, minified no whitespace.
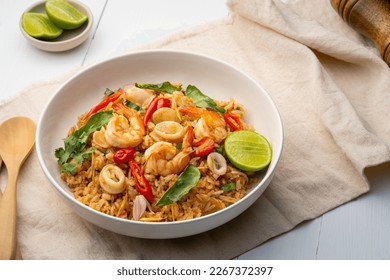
{"x":300,"y":243}
{"x":140,"y":22}
{"x":21,"y":64}
{"x":357,"y":230}
{"x":361,"y":228}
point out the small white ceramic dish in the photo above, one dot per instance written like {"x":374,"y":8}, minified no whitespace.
{"x":69,"y":39}
{"x":215,"y":78}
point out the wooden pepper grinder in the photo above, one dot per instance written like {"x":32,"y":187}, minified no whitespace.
{"x":370,"y":18}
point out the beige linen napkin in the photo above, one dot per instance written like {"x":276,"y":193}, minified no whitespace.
{"x":331,"y":88}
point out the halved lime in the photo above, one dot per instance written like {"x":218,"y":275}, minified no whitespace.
{"x":64,"y":15}
{"x":39,"y":26}
{"x":248,"y":150}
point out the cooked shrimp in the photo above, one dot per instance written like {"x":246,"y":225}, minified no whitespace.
{"x":209,"y":123}
{"x":163,"y":158}
{"x":125,"y":130}
{"x":112,"y":179}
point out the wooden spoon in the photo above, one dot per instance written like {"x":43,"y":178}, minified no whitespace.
{"x":16,"y":142}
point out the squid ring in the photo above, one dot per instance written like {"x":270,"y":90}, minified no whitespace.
{"x":112,"y":179}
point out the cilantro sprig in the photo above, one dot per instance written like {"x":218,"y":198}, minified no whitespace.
{"x":74,"y":151}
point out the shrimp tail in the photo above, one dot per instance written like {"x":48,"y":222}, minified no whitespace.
{"x":188,"y":138}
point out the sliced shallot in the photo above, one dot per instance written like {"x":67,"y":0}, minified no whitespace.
{"x":139,"y":207}
{"x":217,"y":163}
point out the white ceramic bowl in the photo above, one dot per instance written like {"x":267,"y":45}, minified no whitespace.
{"x":213,"y":77}
{"x":69,"y":39}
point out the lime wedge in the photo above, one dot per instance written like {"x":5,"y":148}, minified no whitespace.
{"x":39,"y":26}
{"x":64,"y":15}
{"x":248,"y":150}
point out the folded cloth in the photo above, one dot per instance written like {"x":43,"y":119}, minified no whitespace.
{"x":331,"y":88}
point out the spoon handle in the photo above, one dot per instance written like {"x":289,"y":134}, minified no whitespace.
{"x":8,"y":218}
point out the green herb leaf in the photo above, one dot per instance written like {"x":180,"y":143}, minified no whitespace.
{"x":201,"y":100}
{"x":187,"y":180}
{"x":164,"y":87}
{"x":69,"y":167}
{"x":228,"y":187}
{"x":134,"y":106}
{"x":75,"y":143}
{"x":108,"y":92}
{"x":83,"y":155}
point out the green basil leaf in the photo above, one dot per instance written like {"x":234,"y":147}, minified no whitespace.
{"x":201,"y":100}
{"x":187,"y":180}
{"x":163,"y":87}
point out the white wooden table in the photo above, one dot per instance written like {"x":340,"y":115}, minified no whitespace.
{"x":357,"y":230}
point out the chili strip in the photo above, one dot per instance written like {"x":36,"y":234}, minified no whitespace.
{"x":102,"y":104}
{"x":234,"y":121}
{"x":141,"y":183}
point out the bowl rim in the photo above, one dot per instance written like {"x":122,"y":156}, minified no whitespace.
{"x":267,"y":177}
{"x":53,"y":44}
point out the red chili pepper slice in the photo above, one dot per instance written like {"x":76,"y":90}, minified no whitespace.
{"x":203,"y":147}
{"x":141,"y":183}
{"x":124,"y":155}
{"x":113,"y":97}
{"x":234,"y":121}
{"x":155,"y":104}
{"x":163,"y":102}
{"x":151,"y":109}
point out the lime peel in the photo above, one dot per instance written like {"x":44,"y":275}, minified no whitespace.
{"x":39,"y":26}
{"x":247,"y":150}
{"x":64,"y":14}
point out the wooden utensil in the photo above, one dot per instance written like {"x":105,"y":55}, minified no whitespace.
{"x":18,"y":254}
{"x":370,"y":18}
{"x":17,"y":137}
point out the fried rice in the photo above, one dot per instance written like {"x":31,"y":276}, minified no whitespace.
{"x":205,"y":198}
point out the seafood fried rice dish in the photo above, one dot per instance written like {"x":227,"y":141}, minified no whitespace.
{"x":161,"y":153}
